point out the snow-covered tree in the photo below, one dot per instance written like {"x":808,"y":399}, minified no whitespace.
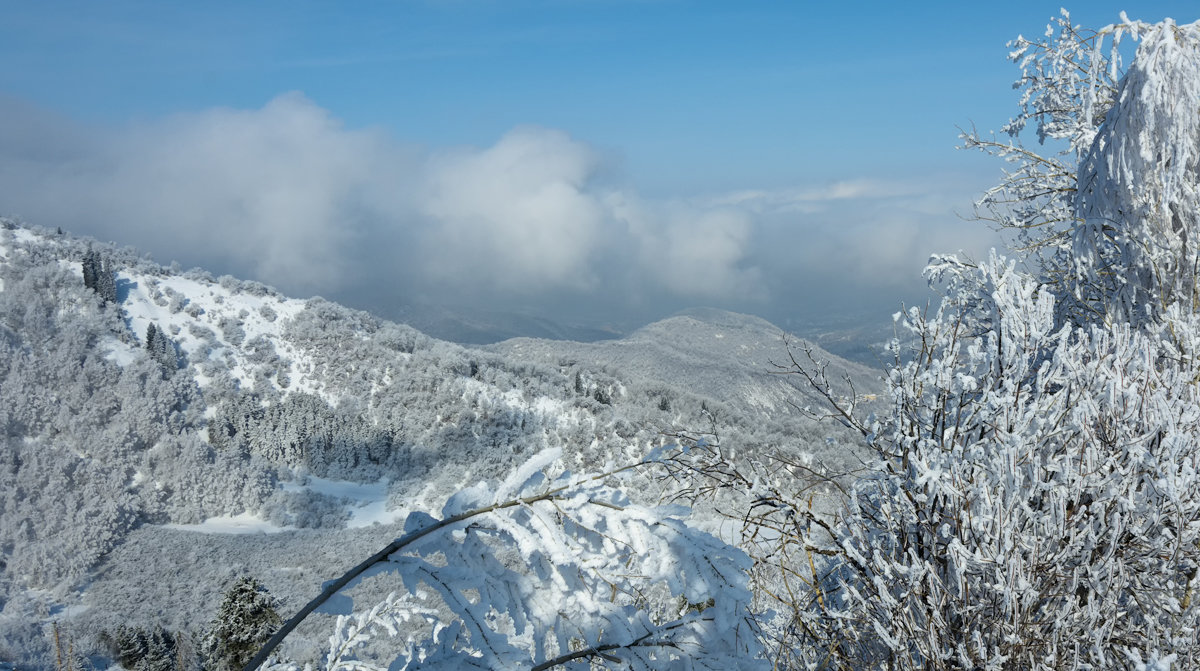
{"x":1137,"y":203}
{"x":99,"y":276}
{"x":142,"y":649}
{"x":1038,"y":505}
{"x":1106,"y":202}
{"x":245,"y":621}
{"x":1037,"y":499}
{"x":161,"y":348}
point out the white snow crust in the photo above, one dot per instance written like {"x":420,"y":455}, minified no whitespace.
{"x":243,"y":524}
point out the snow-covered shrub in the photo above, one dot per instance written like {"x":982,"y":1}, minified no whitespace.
{"x":1038,"y":504}
{"x":539,"y":572}
{"x":1037,"y":499}
{"x":177,"y":300}
{"x":232,"y":330}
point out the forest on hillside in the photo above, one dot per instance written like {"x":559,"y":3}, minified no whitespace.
{"x":141,"y":399}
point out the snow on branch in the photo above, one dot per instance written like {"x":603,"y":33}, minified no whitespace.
{"x":567,"y":571}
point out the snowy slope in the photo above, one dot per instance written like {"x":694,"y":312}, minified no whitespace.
{"x":730,"y":357}
{"x":210,"y":322}
{"x":285,"y":423}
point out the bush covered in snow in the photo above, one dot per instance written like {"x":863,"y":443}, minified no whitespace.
{"x":1037,"y":500}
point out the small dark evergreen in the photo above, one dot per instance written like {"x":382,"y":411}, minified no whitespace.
{"x":602,"y":396}
{"x":246,"y":620}
{"x":106,"y":282}
{"x":91,"y":268}
{"x":161,"y":348}
{"x":142,"y":649}
{"x":99,"y":276}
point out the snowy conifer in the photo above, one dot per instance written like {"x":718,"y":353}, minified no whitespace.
{"x":151,"y":337}
{"x":99,"y":275}
{"x":91,"y":268}
{"x":161,"y":348}
{"x":141,"y":649}
{"x":245,"y":621}
{"x":106,"y":281}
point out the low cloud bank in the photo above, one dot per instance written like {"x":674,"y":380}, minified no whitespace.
{"x":288,"y":195}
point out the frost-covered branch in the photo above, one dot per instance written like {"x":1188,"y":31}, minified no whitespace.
{"x":597,"y":577}
{"x":1037,"y":500}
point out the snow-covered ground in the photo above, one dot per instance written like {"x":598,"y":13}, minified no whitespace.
{"x":202,"y":318}
{"x":366,"y":503}
{"x":245,"y":523}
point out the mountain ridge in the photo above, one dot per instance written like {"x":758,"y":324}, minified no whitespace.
{"x":735,"y":358}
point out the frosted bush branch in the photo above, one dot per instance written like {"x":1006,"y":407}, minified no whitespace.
{"x":1036,"y":501}
{"x":568,"y":571}
{"x":1035,"y":505}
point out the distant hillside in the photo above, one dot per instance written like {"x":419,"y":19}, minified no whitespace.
{"x":148,"y":416}
{"x":737,"y":359}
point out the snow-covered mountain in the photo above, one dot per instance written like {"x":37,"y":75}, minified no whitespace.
{"x":168,"y":433}
{"x":737,"y":359}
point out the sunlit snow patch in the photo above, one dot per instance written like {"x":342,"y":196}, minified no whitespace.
{"x":366,"y":503}
{"x":246,"y":523}
{"x":117,"y":351}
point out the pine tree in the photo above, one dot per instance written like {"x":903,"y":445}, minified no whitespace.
{"x":141,"y":649}
{"x":161,"y":348}
{"x":151,"y":337}
{"x":245,"y":621}
{"x":99,"y":275}
{"x":106,"y":281}
{"x":91,"y":268}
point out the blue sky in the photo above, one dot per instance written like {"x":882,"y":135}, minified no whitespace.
{"x":669,"y":123}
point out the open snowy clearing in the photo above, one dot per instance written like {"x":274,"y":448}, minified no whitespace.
{"x":245,"y":523}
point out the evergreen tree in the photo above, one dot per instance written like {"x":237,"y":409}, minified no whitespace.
{"x":99,"y":276}
{"x":245,"y":621}
{"x":106,"y":282}
{"x":91,"y":268}
{"x":161,"y":348}
{"x":141,"y":649}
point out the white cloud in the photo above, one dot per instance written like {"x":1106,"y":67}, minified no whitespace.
{"x":270,"y":192}
{"x":517,"y":215}
{"x":274,"y":189}
{"x":691,"y":250}
{"x":288,"y":195}
{"x":813,"y":198}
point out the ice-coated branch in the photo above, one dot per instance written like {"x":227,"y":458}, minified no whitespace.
{"x":650,"y":639}
{"x":334,"y":586}
{"x":594,"y":570}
